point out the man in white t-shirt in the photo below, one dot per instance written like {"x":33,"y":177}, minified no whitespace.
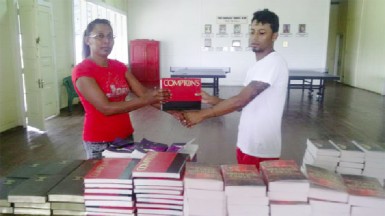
{"x":262,"y":98}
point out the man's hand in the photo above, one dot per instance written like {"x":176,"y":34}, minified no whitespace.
{"x":209,"y":99}
{"x":192,"y":118}
{"x":176,"y":114}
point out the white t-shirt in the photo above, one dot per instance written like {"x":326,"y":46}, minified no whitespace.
{"x":259,"y":130}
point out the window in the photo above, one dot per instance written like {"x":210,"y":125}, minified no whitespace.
{"x":86,"y":11}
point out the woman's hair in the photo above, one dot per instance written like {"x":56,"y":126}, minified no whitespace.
{"x":89,"y":29}
{"x":269,"y":17}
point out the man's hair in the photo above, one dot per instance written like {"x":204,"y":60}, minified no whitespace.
{"x":89,"y":29}
{"x":269,"y":17}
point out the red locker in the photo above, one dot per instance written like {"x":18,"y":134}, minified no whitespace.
{"x":144,"y":60}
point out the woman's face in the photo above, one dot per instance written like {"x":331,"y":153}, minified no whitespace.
{"x":101,"y":40}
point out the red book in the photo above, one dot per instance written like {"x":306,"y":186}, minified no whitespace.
{"x":112,"y":170}
{"x":364,"y":191}
{"x":161,"y":165}
{"x":284,"y":175}
{"x":242,"y":180}
{"x":203,"y":176}
{"x":185,"y":93}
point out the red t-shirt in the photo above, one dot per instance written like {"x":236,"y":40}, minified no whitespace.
{"x":112,"y":81}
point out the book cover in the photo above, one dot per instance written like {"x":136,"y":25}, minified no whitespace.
{"x":161,"y":165}
{"x":322,"y":147}
{"x":241,"y":175}
{"x":71,"y":188}
{"x":62,"y":167}
{"x":326,"y":184}
{"x":372,"y":150}
{"x":146,"y":145}
{"x":364,"y":191}
{"x":243,"y":180}
{"x":185,"y":93}
{"x":203,"y":176}
{"x":112,"y":170}
{"x":134,"y":150}
{"x":27,"y":170}
{"x":7,"y":184}
{"x":283,"y":175}
{"x":35,"y":189}
{"x":348,"y":149}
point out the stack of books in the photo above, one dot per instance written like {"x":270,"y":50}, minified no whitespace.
{"x":245,"y":190}
{"x":321,"y":152}
{"x":287,"y":187}
{"x":366,"y":195}
{"x":67,"y":197}
{"x":108,"y":187}
{"x":204,"y":190}
{"x":374,"y":159}
{"x":158,"y":183}
{"x":31,"y":196}
{"x":351,"y":159}
{"x":327,"y":193}
{"x":7,"y":184}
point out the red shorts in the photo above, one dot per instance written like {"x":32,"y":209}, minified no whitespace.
{"x":243,"y":158}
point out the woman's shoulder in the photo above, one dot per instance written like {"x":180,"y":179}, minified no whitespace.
{"x":117,"y":64}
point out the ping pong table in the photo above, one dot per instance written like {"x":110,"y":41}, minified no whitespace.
{"x":202,"y":72}
{"x":307,"y":78}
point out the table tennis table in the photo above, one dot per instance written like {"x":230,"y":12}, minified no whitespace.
{"x":307,"y":80}
{"x":202,"y":72}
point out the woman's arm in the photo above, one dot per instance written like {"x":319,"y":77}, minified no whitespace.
{"x":93,"y":94}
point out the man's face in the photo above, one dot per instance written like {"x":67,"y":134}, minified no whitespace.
{"x":261,"y":37}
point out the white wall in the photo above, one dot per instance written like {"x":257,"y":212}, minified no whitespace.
{"x":365,"y":49}
{"x":10,"y":100}
{"x":179,"y":24}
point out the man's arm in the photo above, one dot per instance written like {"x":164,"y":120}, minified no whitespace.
{"x":223,"y":107}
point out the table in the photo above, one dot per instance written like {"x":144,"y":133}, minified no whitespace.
{"x":202,"y":72}
{"x":307,"y":77}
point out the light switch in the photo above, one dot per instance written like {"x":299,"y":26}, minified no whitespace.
{"x":285,"y":44}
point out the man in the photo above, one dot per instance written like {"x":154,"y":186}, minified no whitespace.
{"x":261,"y":99}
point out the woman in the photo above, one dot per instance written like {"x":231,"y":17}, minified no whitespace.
{"x":103,"y":85}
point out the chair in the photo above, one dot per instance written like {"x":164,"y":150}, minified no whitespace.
{"x":67,"y":82}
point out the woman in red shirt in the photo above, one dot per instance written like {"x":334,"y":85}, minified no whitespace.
{"x":103,"y":85}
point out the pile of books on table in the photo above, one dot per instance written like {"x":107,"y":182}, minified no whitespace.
{"x":204,"y":190}
{"x":374,"y":159}
{"x":321,"y":152}
{"x":352,"y":158}
{"x":287,"y":188}
{"x":245,"y":190}
{"x":327,"y":194}
{"x":31,"y":183}
{"x":158,"y":183}
{"x":108,"y":187}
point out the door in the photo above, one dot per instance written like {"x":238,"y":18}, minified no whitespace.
{"x":38,"y":56}
{"x":152,"y":69}
{"x":138,"y":59}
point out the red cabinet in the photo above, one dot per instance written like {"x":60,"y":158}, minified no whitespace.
{"x":144,"y":60}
